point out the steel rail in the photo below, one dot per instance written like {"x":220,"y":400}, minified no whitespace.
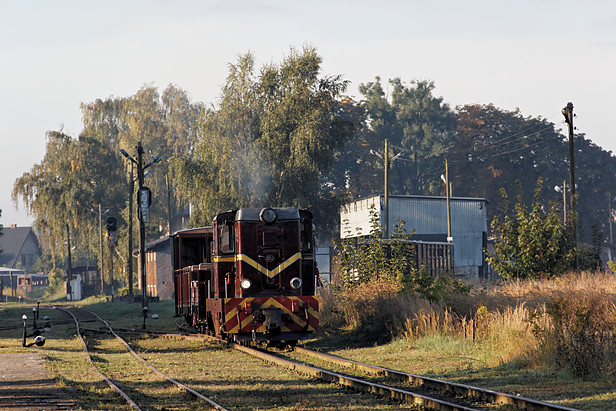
{"x":433,"y":383}
{"x":466,"y":391}
{"x":107,"y":380}
{"x":144,"y":361}
{"x":340,"y":379}
{"x":358,"y":384}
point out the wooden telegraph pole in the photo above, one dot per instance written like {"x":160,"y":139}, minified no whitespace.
{"x":567,"y":111}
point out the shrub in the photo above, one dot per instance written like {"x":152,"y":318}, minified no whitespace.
{"x":394,"y":261}
{"x":373,"y":308}
{"x":530,"y":243}
{"x":579,"y":335}
{"x":331,"y":318}
{"x":57,"y":280}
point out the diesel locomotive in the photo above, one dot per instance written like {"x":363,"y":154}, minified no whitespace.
{"x":251,"y":276}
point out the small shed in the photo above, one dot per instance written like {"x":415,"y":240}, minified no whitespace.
{"x":425,"y":218}
{"x":159,"y":269}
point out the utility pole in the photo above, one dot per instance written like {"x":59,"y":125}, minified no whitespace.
{"x":144,"y":199}
{"x":100,"y":230}
{"x":568,"y":113}
{"x":112,"y":226}
{"x":169,"y":189}
{"x":130,"y":231}
{"x":141,"y":225}
{"x":609,"y":210}
{"x":69,"y":269}
{"x":386,"y":193}
{"x":565,"y":201}
{"x":448,"y":195}
{"x":387,"y":162}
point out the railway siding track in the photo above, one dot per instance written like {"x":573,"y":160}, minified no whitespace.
{"x":473,"y":398}
{"x":358,"y":384}
{"x":110,"y":383}
{"x":340,"y":379}
{"x":457,"y":389}
{"x":449,"y":397}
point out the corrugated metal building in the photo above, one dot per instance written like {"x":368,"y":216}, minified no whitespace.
{"x":427,"y":217}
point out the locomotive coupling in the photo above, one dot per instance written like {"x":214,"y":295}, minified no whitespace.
{"x":272,"y":320}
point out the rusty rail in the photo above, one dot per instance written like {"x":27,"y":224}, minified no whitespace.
{"x":466,"y":391}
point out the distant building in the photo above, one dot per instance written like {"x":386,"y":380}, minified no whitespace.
{"x":20,"y":248}
{"x":31,"y":283}
{"x":8,"y":281}
{"x":159,"y":269}
{"x":427,"y":217}
{"x":90,"y":279}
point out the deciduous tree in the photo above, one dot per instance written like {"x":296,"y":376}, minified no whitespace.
{"x":530,"y":243}
{"x":270,"y":141}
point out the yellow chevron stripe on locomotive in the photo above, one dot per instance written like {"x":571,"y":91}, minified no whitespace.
{"x":248,"y":260}
{"x":256,"y":314}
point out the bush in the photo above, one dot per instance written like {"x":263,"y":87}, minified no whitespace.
{"x":580,"y":335}
{"x":330,"y":314}
{"x":530,"y":243}
{"x":57,"y":280}
{"x":373,"y":308}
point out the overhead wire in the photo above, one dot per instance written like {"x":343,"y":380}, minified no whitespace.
{"x":502,"y":142}
{"x":494,"y":144}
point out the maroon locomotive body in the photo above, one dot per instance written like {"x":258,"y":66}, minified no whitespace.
{"x":250,"y":276}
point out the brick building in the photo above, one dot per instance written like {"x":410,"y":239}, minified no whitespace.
{"x":159,"y":269}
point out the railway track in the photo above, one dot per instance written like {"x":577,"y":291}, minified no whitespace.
{"x":424,"y":392}
{"x":476,"y":394}
{"x":132,"y":403}
{"x":429,"y":393}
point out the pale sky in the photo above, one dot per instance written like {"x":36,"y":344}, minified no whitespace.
{"x":531,"y":54}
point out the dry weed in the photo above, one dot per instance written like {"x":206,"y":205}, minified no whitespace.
{"x":579,"y":335}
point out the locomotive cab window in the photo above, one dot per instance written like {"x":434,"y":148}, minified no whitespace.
{"x":226,"y":239}
{"x":306,"y":236}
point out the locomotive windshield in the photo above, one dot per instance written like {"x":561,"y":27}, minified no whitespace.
{"x":226,"y":238}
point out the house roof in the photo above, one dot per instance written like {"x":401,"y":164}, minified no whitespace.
{"x":154,"y":245}
{"x":161,"y":242}
{"x":11,"y":242}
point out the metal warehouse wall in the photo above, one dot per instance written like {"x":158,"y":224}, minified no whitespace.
{"x":427,"y":216}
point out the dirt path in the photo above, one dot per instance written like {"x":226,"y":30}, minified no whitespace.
{"x":25,"y":384}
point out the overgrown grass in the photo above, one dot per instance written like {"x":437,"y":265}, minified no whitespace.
{"x":559,"y":331}
{"x":501,"y":336}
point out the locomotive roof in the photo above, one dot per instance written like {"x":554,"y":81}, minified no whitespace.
{"x":252,"y":214}
{"x":196,"y":230}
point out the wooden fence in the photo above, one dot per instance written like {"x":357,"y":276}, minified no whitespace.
{"x":436,"y":257}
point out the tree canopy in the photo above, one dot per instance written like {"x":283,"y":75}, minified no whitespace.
{"x":271,"y":141}
{"x":78,"y":174}
{"x":285,"y":134}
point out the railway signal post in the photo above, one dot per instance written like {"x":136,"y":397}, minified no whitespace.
{"x":144,"y":199}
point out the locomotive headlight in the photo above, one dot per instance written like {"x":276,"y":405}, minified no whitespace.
{"x":267,"y":215}
{"x":296,"y":282}
{"x":245,"y":284}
